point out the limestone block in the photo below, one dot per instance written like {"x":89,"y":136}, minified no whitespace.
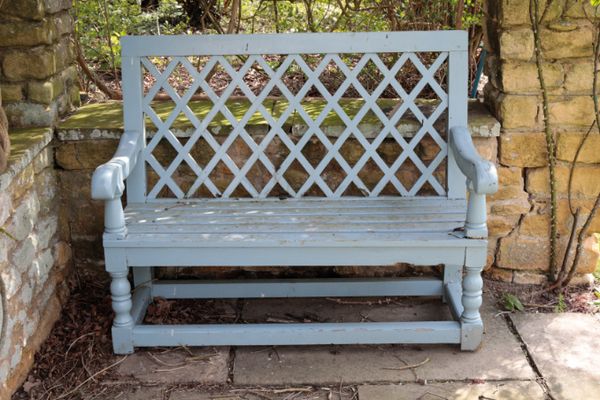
{"x":529,"y":278}
{"x":514,"y":207}
{"x":533,"y":253}
{"x":43,"y":160}
{"x":579,"y":9}
{"x":64,"y":53}
{"x":86,"y":217}
{"x":29,"y":9}
{"x":26,"y":114}
{"x":500,"y":225}
{"x":518,"y":111}
{"x":516,"y":12}
{"x":579,"y":77}
{"x":568,"y":142}
{"x":5,"y":206}
{"x":500,"y":274}
{"x":63,"y":23}
{"x":25,"y":216}
{"x":574,"y":43}
{"x":24,"y":253}
{"x":26,"y":33}
{"x":11,"y":277}
{"x":537,"y":223}
{"x":54,"y":6}
{"x":11,"y":92}
{"x":523,"y":149}
{"x":586,"y":181}
{"x":37,"y":63}
{"x":22,"y":183}
{"x":41,"y":267}
{"x":511,"y":200}
{"x":41,"y":92}
{"x":573,"y":111}
{"x":523,"y":253}
{"x":511,"y":184}
{"x":516,"y":44}
{"x":46,"y":229}
{"x":590,"y":256}
{"x":522,"y":77}
{"x":85,"y":154}
{"x":46,"y":186}
{"x":487,"y":147}
{"x":513,"y":12}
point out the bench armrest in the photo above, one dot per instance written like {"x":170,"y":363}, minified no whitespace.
{"x":481,"y":174}
{"x":108,"y":179}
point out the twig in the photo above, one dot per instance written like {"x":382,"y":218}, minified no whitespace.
{"x":276,"y":391}
{"x":62,"y":396}
{"x":408,"y":366}
{"x":75,"y":341}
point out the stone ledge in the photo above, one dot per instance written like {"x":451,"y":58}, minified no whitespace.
{"x":105,"y":120}
{"x":25,"y":145}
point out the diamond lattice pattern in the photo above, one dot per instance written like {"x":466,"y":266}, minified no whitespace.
{"x":296,"y":125}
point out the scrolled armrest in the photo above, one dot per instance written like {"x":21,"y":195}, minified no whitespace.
{"x":481,"y":173}
{"x":108,"y":179}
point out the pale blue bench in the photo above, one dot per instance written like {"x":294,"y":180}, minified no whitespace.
{"x":332,"y":230}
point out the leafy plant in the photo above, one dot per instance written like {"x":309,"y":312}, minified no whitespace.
{"x":512,"y":303}
{"x":561,"y":307}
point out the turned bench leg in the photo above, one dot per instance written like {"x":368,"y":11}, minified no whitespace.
{"x":122,"y":329}
{"x":471,"y":323}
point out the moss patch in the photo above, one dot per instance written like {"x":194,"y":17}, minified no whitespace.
{"x":21,"y":140}
{"x":110,"y":115}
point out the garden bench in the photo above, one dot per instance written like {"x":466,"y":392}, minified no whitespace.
{"x":206,"y":202}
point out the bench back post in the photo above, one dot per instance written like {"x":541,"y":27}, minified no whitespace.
{"x":458,"y":73}
{"x":133,"y":118}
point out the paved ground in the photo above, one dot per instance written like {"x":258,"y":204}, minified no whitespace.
{"x":524,"y":356}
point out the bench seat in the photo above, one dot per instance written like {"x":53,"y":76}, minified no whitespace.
{"x":304,"y":231}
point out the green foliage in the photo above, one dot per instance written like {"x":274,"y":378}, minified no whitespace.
{"x":512,"y":303}
{"x":561,"y":306}
{"x":595,"y":3}
{"x":97,"y":21}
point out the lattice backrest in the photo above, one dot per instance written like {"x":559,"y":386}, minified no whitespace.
{"x":295,"y":115}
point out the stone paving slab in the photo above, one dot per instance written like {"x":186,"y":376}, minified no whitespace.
{"x":208,"y":365}
{"x":262,"y":394}
{"x":500,"y":357}
{"x":566,"y":349}
{"x":133,"y":393}
{"x":529,"y":390}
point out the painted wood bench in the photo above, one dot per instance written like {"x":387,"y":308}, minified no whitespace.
{"x":348,"y":215}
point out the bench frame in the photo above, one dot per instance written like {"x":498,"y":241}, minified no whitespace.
{"x":461,"y":286}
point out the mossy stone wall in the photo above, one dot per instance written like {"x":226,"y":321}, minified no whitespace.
{"x":38,"y":77}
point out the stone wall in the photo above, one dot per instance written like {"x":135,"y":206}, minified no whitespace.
{"x":37,"y":75}
{"x":34,"y":254}
{"x":519,"y":221}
